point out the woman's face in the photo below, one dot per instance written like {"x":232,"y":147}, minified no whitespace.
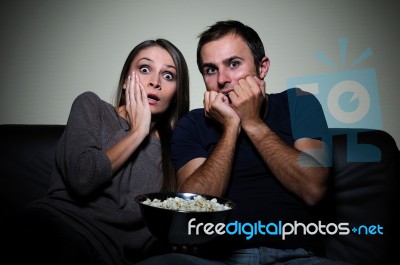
{"x":157,"y":73}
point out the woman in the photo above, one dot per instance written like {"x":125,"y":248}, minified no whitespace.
{"x":107,"y":156}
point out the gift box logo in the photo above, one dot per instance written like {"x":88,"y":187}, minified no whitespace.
{"x":349,"y":98}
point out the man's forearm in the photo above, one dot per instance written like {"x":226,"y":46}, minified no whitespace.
{"x":296,"y":170}
{"x":212,"y":177}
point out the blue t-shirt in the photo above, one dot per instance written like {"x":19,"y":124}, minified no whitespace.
{"x":259,"y":196}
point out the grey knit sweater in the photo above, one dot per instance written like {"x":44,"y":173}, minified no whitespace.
{"x":85,"y":193}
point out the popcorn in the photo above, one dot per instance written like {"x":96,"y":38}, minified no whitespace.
{"x":198,"y":204}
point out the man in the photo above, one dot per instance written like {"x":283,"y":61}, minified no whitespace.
{"x":266,"y":152}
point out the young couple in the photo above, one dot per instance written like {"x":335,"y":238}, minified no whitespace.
{"x":264,"y":151}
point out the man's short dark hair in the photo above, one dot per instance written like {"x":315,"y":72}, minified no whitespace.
{"x":221,"y":29}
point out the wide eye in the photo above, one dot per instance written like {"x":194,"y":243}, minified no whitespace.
{"x":209,"y":70}
{"x":144,"y":69}
{"x":169,"y":76}
{"x":234,"y":64}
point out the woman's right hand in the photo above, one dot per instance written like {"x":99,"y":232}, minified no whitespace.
{"x":137,"y":106}
{"x":138,"y":115}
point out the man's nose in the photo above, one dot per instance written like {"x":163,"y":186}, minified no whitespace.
{"x":223,"y":78}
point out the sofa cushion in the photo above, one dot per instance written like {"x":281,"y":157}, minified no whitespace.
{"x":27,"y":157}
{"x":363,"y":187}
{"x":362,"y":193}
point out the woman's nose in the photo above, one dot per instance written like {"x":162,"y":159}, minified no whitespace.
{"x":155,"y":82}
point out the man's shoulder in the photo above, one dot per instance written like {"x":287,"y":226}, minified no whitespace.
{"x":291,"y":94}
{"x":197,"y":113}
{"x":289,"y":91}
{"x":278,"y":99}
{"x":196,"y":119}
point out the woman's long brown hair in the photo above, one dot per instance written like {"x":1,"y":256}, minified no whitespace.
{"x":179,"y":105}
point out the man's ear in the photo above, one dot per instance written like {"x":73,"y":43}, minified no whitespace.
{"x":264,"y":67}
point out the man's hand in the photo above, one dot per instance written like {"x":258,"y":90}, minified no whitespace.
{"x":247,"y":98}
{"x":216,"y":106}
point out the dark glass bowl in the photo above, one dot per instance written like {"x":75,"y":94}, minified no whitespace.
{"x":172,"y":226}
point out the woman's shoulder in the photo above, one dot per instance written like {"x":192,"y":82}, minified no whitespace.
{"x":88,"y":108}
{"x":87,"y":96}
{"x":87,"y":101}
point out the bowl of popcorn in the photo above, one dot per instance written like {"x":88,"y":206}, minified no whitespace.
{"x":184,"y":218}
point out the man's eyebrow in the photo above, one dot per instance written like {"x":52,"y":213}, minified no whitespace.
{"x":226,"y":61}
{"x":230,"y":59}
{"x":208,"y":65}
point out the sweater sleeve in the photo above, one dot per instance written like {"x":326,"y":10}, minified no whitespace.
{"x":81,"y":158}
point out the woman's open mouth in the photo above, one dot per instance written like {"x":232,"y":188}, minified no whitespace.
{"x":153,"y":99}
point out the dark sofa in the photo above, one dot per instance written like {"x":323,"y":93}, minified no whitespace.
{"x":363,"y":189}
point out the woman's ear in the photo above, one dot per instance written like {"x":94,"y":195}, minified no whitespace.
{"x":264,"y":67}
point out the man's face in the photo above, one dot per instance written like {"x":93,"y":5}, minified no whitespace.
{"x":225,"y":62}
